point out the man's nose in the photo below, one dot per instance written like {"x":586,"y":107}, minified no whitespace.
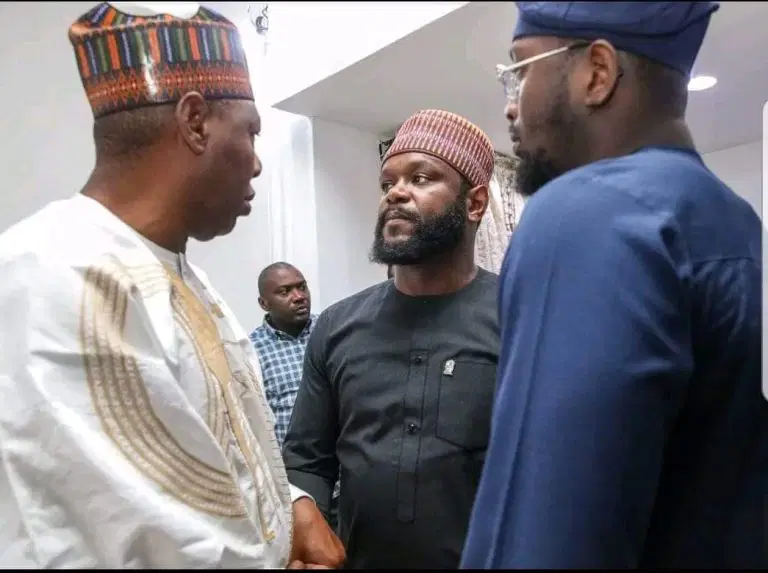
{"x":397,"y":193}
{"x":257,"y":166}
{"x":511,"y":111}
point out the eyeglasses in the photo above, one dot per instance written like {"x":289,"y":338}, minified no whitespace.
{"x":508,"y":77}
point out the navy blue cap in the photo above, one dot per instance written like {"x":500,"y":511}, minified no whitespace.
{"x":668,"y":32}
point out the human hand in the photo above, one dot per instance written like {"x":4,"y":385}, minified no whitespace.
{"x":315,"y":545}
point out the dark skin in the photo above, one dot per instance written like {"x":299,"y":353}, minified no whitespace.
{"x":193,"y":183}
{"x":421,"y":185}
{"x":287,"y":300}
{"x":415,"y":185}
{"x":604,"y":105}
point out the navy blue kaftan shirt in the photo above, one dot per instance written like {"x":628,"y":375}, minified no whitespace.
{"x":629,"y":429}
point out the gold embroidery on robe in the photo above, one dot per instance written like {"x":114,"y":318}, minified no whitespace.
{"x":199,"y":325}
{"x":123,"y":406}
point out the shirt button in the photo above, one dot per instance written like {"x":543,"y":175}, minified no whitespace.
{"x":412,"y":429}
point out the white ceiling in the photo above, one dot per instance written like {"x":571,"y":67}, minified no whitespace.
{"x":450,"y":63}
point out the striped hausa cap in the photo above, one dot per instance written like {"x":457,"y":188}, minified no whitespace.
{"x":450,"y":137}
{"x":128,"y":61}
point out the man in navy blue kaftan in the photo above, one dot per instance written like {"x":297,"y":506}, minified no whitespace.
{"x":629,"y":428}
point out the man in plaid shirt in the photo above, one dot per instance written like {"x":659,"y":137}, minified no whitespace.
{"x":281,"y":340}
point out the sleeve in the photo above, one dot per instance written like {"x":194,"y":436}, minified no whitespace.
{"x":595,"y":360}
{"x":75,"y":491}
{"x":309,"y":449}
{"x":297,"y":494}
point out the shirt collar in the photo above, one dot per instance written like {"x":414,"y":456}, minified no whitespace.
{"x":275,"y":333}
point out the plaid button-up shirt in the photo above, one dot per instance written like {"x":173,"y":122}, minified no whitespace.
{"x":282,"y":358}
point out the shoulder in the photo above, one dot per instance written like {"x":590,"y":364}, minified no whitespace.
{"x":583,"y":195}
{"x":480,"y":296}
{"x":582,"y":224}
{"x":354,"y":303}
{"x":60,"y":262}
{"x":42,"y":272}
{"x":649,"y":179}
{"x":258,"y":334}
{"x":64,"y":235}
{"x":487,"y":280}
{"x":68,"y":303}
{"x":659,"y":195}
{"x":483,"y":303}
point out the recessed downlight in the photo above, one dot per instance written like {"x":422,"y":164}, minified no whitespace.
{"x":699,"y":83}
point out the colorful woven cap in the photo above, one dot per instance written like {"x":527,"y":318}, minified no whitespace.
{"x":127,"y":62}
{"x":450,"y":137}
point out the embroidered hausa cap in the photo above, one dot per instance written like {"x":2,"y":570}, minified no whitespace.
{"x":450,"y":137}
{"x":128,"y":61}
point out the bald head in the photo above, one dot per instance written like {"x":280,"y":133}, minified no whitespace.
{"x":266,"y":274}
{"x":284,"y":295}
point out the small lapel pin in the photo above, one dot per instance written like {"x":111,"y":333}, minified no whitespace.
{"x":448,"y":367}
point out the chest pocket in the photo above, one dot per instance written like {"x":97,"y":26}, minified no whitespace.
{"x":465,"y":403}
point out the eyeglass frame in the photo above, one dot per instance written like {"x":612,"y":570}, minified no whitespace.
{"x":506,"y":73}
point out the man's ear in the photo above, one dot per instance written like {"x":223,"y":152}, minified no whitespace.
{"x":477,"y":203}
{"x":193,"y":118}
{"x":263,"y":304}
{"x":602,"y":71}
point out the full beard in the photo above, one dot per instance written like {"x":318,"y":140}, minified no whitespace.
{"x":534,"y":171}
{"x":536,"y":168}
{"x":431,"y":237}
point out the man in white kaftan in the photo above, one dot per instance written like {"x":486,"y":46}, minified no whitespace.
{"x":132,"y":403}
{"x":134,"y":430}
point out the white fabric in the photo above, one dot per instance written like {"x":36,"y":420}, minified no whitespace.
{"x":492,"y":236}
{"x":184,"y":10}
{"x":134,"y":430}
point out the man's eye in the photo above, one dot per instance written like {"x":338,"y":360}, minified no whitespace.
{"x":420,"y":179}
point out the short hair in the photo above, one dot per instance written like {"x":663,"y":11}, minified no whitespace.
{"x":130,"y":133}
{"x":465,"y":187}
{"x":267,"y":271}
{"x":662,"y":90}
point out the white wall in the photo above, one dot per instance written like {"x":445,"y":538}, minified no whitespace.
{"x":346,"y":165}
{"x":741,"y":168}
{"x":45,"y":121}
{"x":309,"y":41}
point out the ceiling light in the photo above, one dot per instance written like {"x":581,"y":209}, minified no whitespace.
{"x":698,"y":83}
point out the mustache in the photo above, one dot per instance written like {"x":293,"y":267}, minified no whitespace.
{"x":398,"y":214}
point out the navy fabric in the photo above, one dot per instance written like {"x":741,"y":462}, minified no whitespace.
{"x":629,"y":429}
{"x":668,"y":32}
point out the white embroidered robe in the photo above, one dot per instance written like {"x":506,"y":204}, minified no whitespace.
{"x":134,"y":432}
